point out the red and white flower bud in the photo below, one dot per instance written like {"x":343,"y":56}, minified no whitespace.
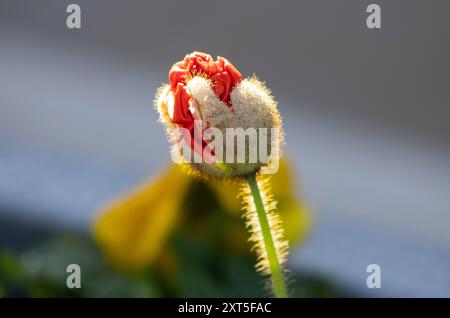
{"x":210,"y":98}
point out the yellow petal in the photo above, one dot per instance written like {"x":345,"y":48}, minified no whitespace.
{"x":293,"y":210}
{"x":133,"y":229}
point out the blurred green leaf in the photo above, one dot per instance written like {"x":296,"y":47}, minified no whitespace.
{"x":204,"y":269}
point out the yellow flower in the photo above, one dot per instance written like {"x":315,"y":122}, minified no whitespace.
{"x":134,"y":230}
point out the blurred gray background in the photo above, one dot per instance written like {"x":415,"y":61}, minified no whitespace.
{"x":366,"y":115}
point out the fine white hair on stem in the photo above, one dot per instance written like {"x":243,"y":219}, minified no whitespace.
{"x":254,"y":228}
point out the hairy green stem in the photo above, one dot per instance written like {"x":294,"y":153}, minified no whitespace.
{"x":278,"y":284}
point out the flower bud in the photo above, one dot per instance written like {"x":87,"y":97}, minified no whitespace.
{"x":230,"y":127}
